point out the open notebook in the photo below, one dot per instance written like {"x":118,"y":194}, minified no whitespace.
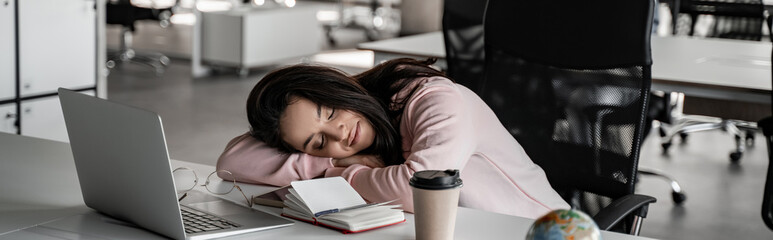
{"x":333,"y":203}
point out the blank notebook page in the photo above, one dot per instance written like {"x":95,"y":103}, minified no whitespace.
{"x":327,"y":193}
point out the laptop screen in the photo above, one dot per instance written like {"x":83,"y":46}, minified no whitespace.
{"x":122,"y":162}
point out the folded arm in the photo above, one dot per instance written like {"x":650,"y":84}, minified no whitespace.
{"x":252,"y":161}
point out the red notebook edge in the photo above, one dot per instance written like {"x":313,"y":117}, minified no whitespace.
{"x":344,"y":231}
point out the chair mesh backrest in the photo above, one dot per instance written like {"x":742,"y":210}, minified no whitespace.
{"x":733,"y":19}
{"x":463,"y":36}
{"x":570,"y":80}
{"x":124,"y":13}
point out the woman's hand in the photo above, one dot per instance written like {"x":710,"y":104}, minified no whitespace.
{"x":367,"y":160}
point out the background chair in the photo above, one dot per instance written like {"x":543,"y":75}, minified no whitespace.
{"x":380,"y":19}
{"x":123,"y":13}
{"x":767,"y":197}
{"x":463,"y":37}
{"x":733,"y":19}
{"x":571,"y":86}
{"x":767,"y":130}
{"x":673,"y":7}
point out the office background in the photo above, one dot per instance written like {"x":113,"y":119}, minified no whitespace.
{"x":201,"y":114}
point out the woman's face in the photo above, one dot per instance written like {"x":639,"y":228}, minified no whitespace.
{"x":322,"y":131}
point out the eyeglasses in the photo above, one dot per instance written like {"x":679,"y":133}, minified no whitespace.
{"x":186,"y":179}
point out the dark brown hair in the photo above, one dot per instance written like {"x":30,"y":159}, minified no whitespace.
{"x":368,"y":93}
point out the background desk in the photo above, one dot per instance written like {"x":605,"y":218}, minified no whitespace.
{"x":711,"y":68}
{"x":250,"y":36}
{"x":42,"y":200}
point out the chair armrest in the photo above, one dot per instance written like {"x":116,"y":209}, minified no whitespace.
{"x":612,"y":214}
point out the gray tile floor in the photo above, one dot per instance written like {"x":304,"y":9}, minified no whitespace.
{"x":724,"y":199}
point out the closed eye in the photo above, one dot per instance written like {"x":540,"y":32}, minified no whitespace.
{"x":321,"y":142}
{"x":323,"y":139}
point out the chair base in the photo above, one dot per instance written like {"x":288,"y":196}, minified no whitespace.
{"x":683,"y":124}
{"x":743,"y":131}
{"x":157,"y":61}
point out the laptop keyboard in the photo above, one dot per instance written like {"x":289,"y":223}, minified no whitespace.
{"x":197,"y":221}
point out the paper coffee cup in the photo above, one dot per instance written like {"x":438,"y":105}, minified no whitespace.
{"x":435,"y":201}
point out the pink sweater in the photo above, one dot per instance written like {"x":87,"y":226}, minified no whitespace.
{"x":444,"y":126}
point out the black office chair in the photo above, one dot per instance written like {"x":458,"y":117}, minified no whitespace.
{"x":122,"y":12}
{"x":767,"y":197}
{"x":570,"y":80}
{"x":465,"y":57}
{"x":734,"y":19}
{"x":767,"y":130}
{"x":463,"y":37}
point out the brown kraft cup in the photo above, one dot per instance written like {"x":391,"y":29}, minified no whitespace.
{"x":435,"y":200}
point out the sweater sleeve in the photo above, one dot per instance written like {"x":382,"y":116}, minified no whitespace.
{"x":252,"y":161}
{"x":441,"y":136}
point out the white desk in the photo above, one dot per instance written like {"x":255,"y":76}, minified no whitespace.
{"x":709,"y":68}
{"x":250,"y":36}
{"x":417,"y":46}
{"x":41,"y":198}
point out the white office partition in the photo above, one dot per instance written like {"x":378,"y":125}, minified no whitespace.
{"x":43,"y":118}
{"x":7,"y":50}
{"x":58,"y":45}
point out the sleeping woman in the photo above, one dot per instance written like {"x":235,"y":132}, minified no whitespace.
{"x":377,"y":128}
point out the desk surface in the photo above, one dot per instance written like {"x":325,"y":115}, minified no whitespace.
{"x":714,"y":68}
{"x":41,"y":196}
{"x":419,"y":45}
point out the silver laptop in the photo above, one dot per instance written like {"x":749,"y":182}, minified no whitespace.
{"x":124,"y":171}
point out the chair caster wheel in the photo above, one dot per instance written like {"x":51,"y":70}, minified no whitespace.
{"x":750,"y":138}
{"x":683,"y":136}
{"x":165,"y":60}
{"x":678,"y":197}
{"x":735,"y":157}
{"x":665,"y":146}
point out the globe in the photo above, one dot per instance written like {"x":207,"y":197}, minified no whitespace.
{"x":564,"y":224}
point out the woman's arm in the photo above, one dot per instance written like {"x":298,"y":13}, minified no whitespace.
{"x":251,"y":161}
{"x":372,"y":161}
{"x":442,"y":138}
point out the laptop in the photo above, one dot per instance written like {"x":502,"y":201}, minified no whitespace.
{"x":124,"y":172}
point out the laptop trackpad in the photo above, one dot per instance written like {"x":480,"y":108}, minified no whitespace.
{"x":219,"y":207}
